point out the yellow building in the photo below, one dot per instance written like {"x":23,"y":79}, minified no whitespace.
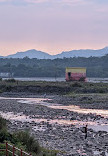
{"x":75,"y":74}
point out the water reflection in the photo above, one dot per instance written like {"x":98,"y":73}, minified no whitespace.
{"x":59,"y":79}
{"x":77,"y":109}
{"x":96,"y":125}
{"x":72,"y":108}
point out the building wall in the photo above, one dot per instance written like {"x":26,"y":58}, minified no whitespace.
{"x":75,"y":73}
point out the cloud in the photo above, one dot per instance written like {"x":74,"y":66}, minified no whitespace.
{"x":14,"y":2}
{"x":27,"y":2}
{"x":53,"y":2}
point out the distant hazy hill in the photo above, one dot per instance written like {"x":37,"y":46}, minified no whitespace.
{"x":1,"y":56}
{"x":74,"y":53}
{"x":31,"y":54}
{"x":83,"y":53}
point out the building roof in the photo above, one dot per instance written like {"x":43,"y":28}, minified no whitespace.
{"x":75,"y":67}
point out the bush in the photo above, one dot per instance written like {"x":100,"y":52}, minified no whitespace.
{"x":31,"y":144}
{"x":82,"y":79}
{"x":2,"y":123}
{"x":11,"y":80}
{"x":2,"y":146}
{"x":76,"y":84}
{"x":4,"y":135}
{"x":8,"y":88}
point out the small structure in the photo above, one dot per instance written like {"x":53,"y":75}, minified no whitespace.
{"x":75,"y":74}
{"x":6,"y":74}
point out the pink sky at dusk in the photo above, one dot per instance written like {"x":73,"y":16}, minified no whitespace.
{"x":52,"y":26}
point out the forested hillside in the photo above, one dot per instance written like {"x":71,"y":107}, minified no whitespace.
{"x":96,"y":66}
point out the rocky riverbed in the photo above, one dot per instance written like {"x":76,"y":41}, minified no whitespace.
{"x":59,"y":129}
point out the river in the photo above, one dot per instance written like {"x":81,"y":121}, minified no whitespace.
{"x":94,"y":80}
{"x":96,"y":125}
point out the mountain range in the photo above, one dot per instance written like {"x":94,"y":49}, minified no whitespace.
{"x":74,"y":53}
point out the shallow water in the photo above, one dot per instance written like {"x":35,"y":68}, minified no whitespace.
{"x":93,"y":80}
{"x":96,"y":125}
{"x":73,"y":108}
{"x":77,"y":109}
{"x":101,"y":125}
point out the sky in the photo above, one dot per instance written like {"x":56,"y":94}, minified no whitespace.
{"x":52,"y":26}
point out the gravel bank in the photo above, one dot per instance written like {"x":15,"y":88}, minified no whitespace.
{"x":69,"y":140}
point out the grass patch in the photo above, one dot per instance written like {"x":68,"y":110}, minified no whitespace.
{"x":60,"y":88}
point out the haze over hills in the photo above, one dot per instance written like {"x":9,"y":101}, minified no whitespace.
{"x":84,"y":53}
{"x":31,"y":54}
{"x":74,"y":53}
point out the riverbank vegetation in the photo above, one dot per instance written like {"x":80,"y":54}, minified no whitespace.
{"x":96,"y":66}
{"x":42,"y":87}
{"x":22,"y":140}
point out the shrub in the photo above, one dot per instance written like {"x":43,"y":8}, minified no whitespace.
{"x":82,"y":79}
{"x":4,"y":135}
{"x":76,"y":84}
{"x":2,"y":146}
{"x":31,"y":144}
{"x":10,"y":80}
{"x":2,"y":123}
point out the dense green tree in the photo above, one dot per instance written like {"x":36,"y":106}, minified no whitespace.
{"x":96,"y":66}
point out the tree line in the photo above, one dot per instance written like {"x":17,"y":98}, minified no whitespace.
{"x":26,"y":67}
